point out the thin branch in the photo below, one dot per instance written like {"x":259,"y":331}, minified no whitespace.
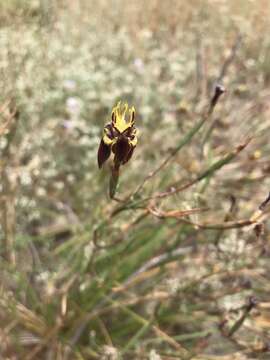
{"x":176,"y":214}
{"x":221,"y":226}
{"x":230,"y":58}
{"x":219,"y":90}
{"x":252,"y":302}
{"x":256,"y":217}
{"x":213,"y":168}
{"x":138,"y":204}
{"x":225,"y":66}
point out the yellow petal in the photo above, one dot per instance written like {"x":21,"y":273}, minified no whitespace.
{"x":107,"y":140}
{"x":134,"y":141}
{"x":120,"y":122}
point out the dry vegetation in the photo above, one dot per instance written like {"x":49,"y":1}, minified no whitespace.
{"x":178,"y":267}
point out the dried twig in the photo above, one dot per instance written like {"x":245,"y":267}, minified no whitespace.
{"x":216,"y":166}
{"x":177,"y":214}
{"x":255,"y":218}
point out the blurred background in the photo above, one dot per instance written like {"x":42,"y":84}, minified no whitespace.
{"x":84,"y":277}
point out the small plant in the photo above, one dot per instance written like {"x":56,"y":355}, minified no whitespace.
{"x":119,"y":137}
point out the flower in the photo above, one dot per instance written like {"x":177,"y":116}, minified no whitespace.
{"x":119,"y":137}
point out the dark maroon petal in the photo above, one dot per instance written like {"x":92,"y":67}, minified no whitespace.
{"x":129,"y":154}
{"x":133,"y":117}
{"x":109,"y":132}
{"x":128,"y":131}
{"x":121,"y":150}
{"x":104,"y":152}
{"x":113,"y":117}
